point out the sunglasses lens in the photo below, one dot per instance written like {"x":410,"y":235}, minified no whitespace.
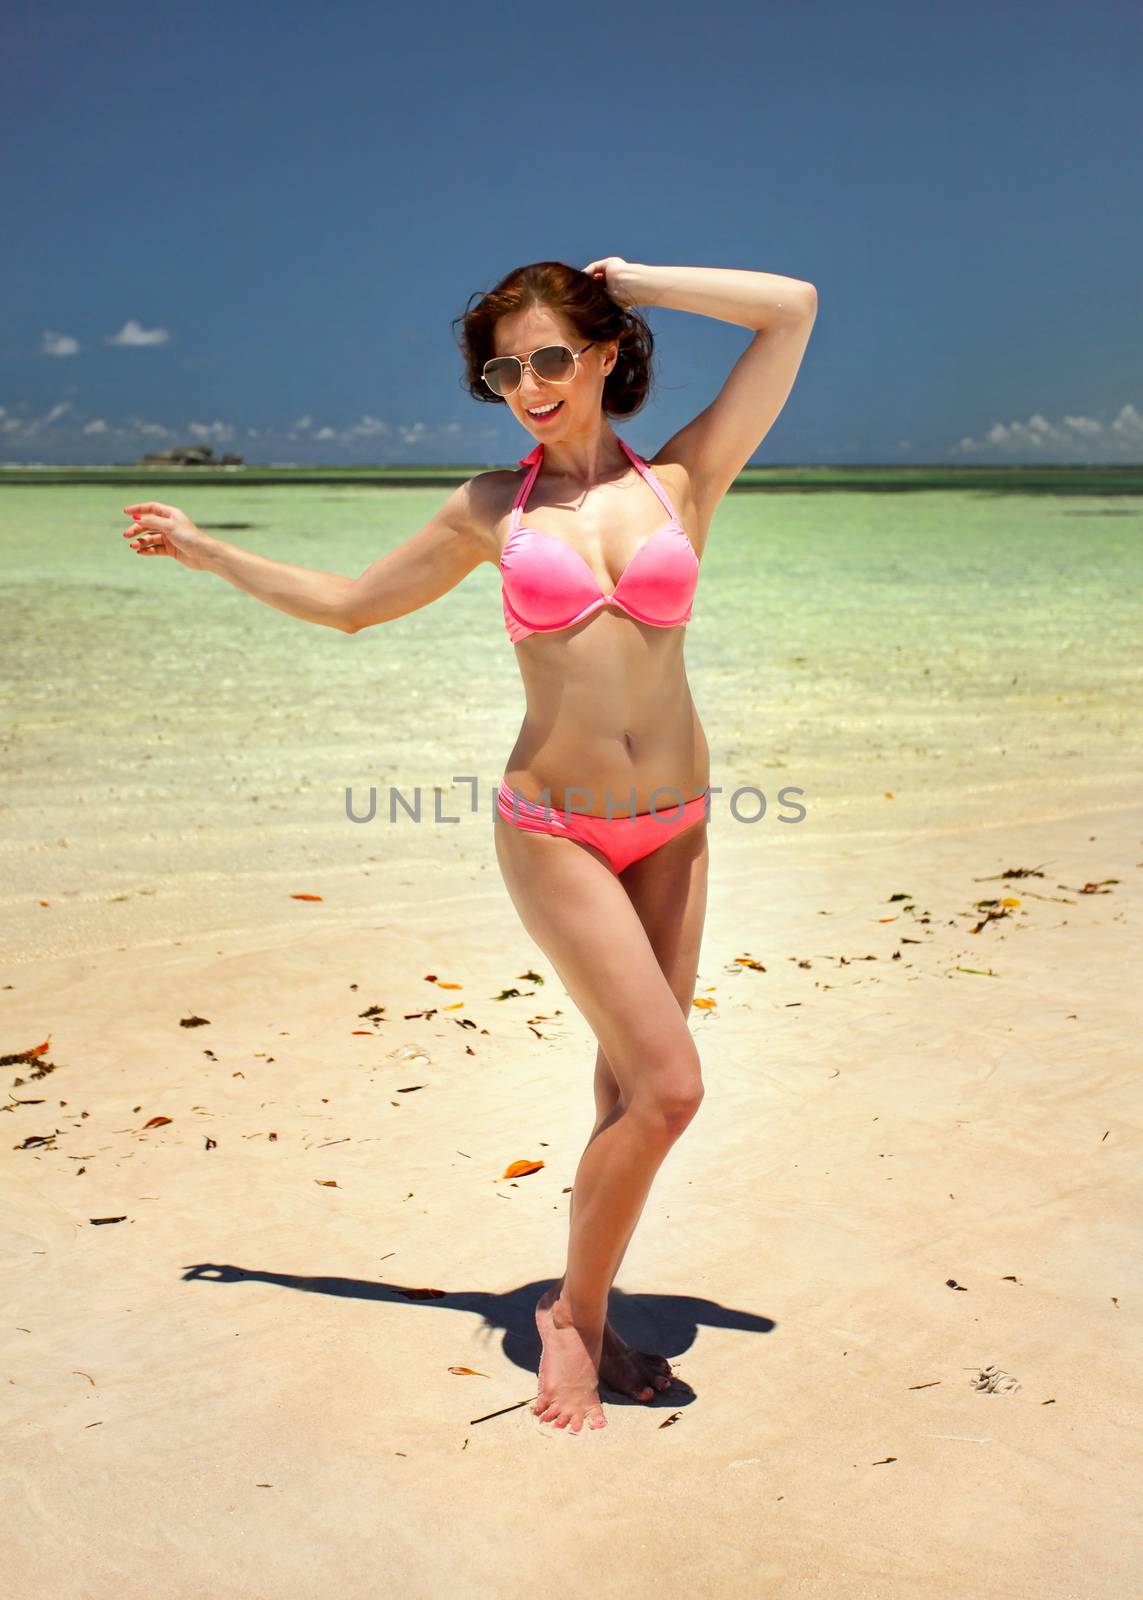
{"x":555,"y":364}
{"x":503,"y":374}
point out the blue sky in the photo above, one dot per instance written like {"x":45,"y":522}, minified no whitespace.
{"x":250,"y":225}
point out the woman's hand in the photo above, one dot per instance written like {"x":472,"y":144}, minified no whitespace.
{"x":160,"y":530}
{"x":615,"y":273}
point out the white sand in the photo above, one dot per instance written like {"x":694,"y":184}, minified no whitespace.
{"x":226,"y":1394}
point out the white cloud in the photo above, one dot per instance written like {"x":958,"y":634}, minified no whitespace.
{"x":59,"y":344}
{"x":221,"y":431}
{"x":1074,"y":438}
{"x":133,"y":333}
{"x":374,"y":431}
{"x":367,"y":427}
{"x":29,"y":427}
{"x":402,"y":433}
{"x":1128,"y":425}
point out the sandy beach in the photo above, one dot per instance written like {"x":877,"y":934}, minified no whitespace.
{"x":270,"y":1293}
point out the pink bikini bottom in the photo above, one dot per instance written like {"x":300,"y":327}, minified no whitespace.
{"x":621,"y":839}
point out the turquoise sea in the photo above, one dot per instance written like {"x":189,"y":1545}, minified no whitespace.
{"x":177,"y":754}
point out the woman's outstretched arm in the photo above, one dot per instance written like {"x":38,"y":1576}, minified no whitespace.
{"x":411,"y":575}
{"x":300,"y":591}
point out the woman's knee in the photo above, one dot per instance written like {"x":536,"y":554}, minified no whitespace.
{"x":666,"y":1101}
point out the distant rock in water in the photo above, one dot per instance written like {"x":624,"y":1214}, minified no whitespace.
{"x":191,"y":455}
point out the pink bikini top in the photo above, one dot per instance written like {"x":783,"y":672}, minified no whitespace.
{"x":548,"y":585}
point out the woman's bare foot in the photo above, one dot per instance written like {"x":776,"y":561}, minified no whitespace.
{"x":635,"y":1373}
{"x":569,"y":1368}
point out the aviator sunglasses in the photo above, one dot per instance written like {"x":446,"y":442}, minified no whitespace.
{"x":553,"y":363}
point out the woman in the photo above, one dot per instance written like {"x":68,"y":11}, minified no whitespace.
{"x":608,"y":877}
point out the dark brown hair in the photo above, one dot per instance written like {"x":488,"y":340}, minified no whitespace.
{"x":586,"y":305}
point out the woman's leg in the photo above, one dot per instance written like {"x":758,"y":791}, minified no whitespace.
{"x":669,"y":892}
{"x":585,"y":920}
{"x":668,"y":889}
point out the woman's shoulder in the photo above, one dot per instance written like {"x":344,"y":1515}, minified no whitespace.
{"x":489,"y":497}
{"x":676,"y":480}
{"x":671,"y":473}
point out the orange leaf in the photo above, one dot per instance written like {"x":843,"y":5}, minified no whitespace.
{"x":468,"y":1372}
{"x":704,"y":1005}
{"x":328,"y":1183}
{"x":521,"y":1169}
{"x":456,"y":1005}
{"x":363,"y":1033}
{"x":441,"y":984}
{"x":40,"y":1048}
{"x":305,"y":897}
{"x":156,"y":1122}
